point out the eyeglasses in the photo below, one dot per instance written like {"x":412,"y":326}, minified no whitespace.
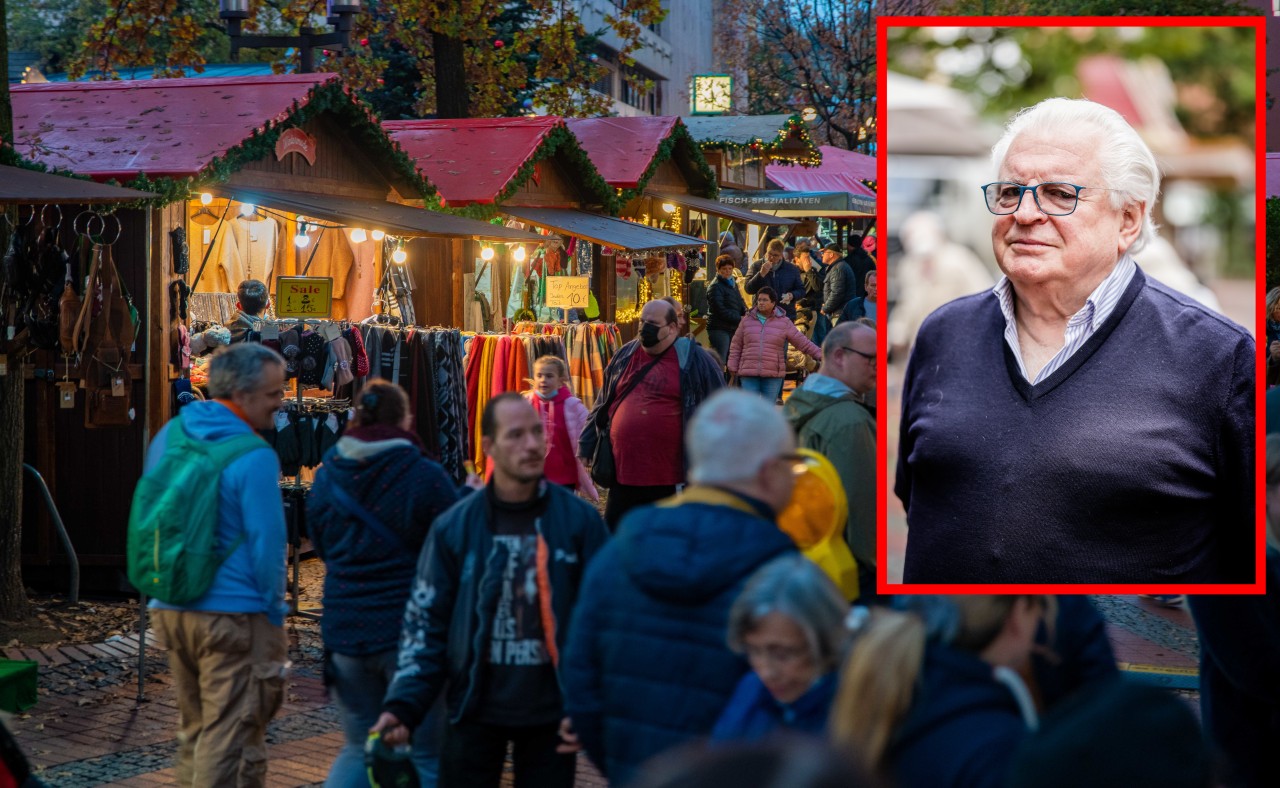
{"x":1053,"y":199}
{"x":867,"y":356}
{"x":774,"y":655}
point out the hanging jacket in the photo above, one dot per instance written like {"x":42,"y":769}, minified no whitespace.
{"x":563,"y":419}
{"x":448,"y":620}
{"x":647,"y":667}
{"x":760,"y":350}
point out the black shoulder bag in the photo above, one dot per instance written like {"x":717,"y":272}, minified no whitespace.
{"x":603,"y":470}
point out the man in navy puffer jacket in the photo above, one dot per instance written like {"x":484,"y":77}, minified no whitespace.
{"x":647,"y":667}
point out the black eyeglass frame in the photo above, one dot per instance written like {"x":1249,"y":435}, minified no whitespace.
{"x":1022,"y":192}
{"x":868,"y":356}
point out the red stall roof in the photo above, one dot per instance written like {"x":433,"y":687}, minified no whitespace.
{"x":841,"y":171}
{"x":160,"y":127}
{"x":622,"y":148}
{"x":473,"y":160}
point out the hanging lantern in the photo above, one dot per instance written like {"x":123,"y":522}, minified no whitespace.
{"x":519,"y":254}
{"x":206,"y":198}
{"x":376,"y":235}
{"x":301,"y":239}
{"x":358,"y":236}
{"x":486,"y":253}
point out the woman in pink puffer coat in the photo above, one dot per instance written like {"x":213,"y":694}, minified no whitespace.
{"x":758,"y":353}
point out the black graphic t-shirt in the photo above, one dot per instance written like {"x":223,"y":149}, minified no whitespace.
{"x":520,"y":685}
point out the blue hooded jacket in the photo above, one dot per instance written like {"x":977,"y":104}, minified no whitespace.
{"x":647,"y":667}
{"x":252,"y":579}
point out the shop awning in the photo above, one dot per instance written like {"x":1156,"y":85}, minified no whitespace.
{"x":1273,"y":175}
{"x":605,"y":230}
{"x":832,"y":205}
{"x":717,"y":208}
{"x":20,"y":186}
{"x":382,"y":215}
{"x":841,"y":171}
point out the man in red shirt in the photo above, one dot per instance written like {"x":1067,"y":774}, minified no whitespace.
{"x":647,"y":398}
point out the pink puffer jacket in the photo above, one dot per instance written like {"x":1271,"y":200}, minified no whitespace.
{"x":760,"y":351}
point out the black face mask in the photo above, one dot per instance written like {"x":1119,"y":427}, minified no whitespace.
{"x":649,"y":335}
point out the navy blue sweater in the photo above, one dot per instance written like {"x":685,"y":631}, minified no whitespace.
{"x":1133,"y":462}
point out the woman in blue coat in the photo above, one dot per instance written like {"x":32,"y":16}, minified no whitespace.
{"x":789,"y":622}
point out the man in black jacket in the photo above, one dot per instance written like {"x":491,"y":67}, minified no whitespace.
{"x":725,"y":307}
{"x":837,"y":281}
{"x":773,"y":271}
{"x":489,"y":614}
{"x":860,"y":263}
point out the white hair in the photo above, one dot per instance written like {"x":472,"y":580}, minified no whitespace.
{"x":795,"y":587}
{"x":1127,"y":165}
{"x":732,"y":435}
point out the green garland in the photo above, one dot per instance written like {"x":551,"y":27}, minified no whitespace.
{"x":774,"y":147}
{"x":679,"y":136}
{"x":329,"y":96}
{"x":559,"y":140}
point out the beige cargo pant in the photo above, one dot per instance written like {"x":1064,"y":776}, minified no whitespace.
{"x":228,"y":671}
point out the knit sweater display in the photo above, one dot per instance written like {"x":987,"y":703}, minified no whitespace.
{"x":1131,"y":463}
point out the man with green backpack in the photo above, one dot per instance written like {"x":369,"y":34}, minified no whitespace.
{"x":207,"y":543}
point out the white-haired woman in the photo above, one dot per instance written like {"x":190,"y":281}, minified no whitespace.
{"x":789,"y":622}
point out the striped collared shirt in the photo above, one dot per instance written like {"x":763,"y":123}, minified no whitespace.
{"x":1097,"y":308}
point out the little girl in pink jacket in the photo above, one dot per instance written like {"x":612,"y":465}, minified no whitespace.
{"x":563,"y":418}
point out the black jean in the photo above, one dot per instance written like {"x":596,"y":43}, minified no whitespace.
{"x":720,"y":342}
{"x":474,"y":754}
{"x":623,"y":498}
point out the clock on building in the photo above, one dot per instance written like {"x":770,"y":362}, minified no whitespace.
{"x":712,"y":94}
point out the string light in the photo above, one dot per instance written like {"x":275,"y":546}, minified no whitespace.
{"x":519,"y":254}
{"x":376,"y":235}
{"x":301,"y":239}
{"x":486,"y":253}
{"x":669,"y":207}
{"x":247,"y":209}
{"x":358,"y":235}
{"x":206,"y":198}
{"x":399,"y":255}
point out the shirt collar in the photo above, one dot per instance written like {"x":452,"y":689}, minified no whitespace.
{"x":1097,"y":307}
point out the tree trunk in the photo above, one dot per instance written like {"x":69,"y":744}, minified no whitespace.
{"x":13,"y":598}
{"x":452,"y":93}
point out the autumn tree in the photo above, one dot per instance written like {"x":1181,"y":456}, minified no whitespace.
{"x":466,"y":58}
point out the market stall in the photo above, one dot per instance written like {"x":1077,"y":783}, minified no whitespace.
{"x":253,"y":177}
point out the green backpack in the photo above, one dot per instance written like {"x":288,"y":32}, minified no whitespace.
{"x":173,"y":525}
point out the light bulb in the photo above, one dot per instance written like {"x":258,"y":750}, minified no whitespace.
{"x":518,"y":255}
{"x":399,"y":256}
{"x":668,"y":207}
{"x":206,"y":198}
{"x":247,"y":208}
{"x":486,"y":253}
{"x":358,"y":235}
{"x":301,"y":239}
{"x":376,"y":235}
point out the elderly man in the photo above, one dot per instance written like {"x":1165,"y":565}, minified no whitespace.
{"x":828,"y":417}
{"x":1081,"y":423}
{"x":780,"y":274}
{"x":648,"y":667}
{"x":651,"y":388}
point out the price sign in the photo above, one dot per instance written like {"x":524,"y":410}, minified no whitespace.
{"x":568,"y":292}
{"x":304,"y":296}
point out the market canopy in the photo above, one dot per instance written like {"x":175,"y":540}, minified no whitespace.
{"x":785,"y":203}
{"x":605,"y":230}
{"x":186,"y":128}
{"x":1273,"y":175}
{"x":629,"y":151}
{"x":484,"y":160}
{"x":841,"y":170}
{"x":20,"y":186}
{"x":719,"y":209}
{"x":389,"y":217}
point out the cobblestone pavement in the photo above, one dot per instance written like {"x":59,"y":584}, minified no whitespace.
{"x":89,"y":729}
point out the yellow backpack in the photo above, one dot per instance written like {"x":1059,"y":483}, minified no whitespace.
{"x":815,"y":519}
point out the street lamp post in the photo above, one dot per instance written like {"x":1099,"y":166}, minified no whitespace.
{"x":340,"y":14}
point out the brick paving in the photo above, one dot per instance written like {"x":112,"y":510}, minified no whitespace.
{"x":89,"y":730}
